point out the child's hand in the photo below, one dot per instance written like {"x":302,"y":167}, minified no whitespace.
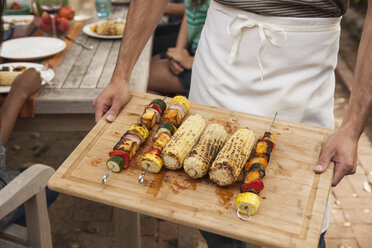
{"x":181,"y":56}
{"x":28,"y":83}
{"x":175,"y":67}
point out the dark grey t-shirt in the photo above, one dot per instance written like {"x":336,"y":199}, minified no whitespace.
{"x":291,"y":8}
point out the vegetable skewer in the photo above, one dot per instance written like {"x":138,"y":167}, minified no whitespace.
{"x":151,"y":160}
{"x":136,"y":135}
{"x":248,"y":201}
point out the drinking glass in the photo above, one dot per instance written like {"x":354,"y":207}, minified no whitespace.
{"x":52,"y":7}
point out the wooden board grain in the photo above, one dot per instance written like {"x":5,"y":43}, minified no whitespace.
{"x":293,"y":202}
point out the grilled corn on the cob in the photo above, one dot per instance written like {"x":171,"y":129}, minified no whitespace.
{"x":230,"y":160}
{"x":200,"y":158}
{"x":175,"y":152}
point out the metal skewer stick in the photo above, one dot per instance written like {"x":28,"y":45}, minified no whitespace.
{"x":141,"y":177}
{"x":242,"y":218}
{"x":272,"y":123}
{"x":104,"y":178}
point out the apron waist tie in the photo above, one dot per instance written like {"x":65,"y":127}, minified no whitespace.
{"x":265,"y":32}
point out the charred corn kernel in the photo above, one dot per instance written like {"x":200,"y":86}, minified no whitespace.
{"x":251,"y":176}
{"x":230,"y":160}
{"x":254,"y":160}
{"x":200,"y":158}
{"x":175,"y":152}
{"x":151,"y":162}
{"x":128,"y":146}
{"x":142,"y":130}
{"x":247,"y":202}
{"x":173,"y":116}
{"x":182,"y":100}
{"x":161,"y":141}
{"x":149,"y":117}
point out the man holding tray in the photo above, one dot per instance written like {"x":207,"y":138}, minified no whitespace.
{"x":263,"y":57}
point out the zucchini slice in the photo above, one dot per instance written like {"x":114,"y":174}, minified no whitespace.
{"x":115,"y":163}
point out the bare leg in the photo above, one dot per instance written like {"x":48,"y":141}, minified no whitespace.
{"x":161,"y":79}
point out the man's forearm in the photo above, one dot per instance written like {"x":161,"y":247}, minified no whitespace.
{"x":143,"y":17}
{"x":359,"y":107}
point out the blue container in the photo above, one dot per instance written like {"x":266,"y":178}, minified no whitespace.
{"x":103,"y":8}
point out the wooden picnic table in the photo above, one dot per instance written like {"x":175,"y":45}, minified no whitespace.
{"x":80,"y":75}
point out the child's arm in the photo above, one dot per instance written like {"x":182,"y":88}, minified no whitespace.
{"x":175,"y":10}
{"x":182,"y":34}
{"x":23,"y":86}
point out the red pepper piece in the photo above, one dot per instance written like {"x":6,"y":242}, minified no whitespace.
{"x":154,"y":151}
{"x":157,"y":108}
{"x":122,"y":154}
{"x":255,"y":186}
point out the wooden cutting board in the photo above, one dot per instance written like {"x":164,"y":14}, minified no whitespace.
{"x":293,"y":202}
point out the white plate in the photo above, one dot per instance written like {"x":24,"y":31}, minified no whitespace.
{"x":87,"y":31}
{"x":31,"y":48}
{"x":46,"y":75}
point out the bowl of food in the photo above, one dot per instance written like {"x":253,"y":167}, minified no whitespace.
{"x":23,"y":24}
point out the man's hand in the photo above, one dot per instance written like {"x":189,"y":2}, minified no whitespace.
{"x":27,"y":83}
{"x":135,"y":37}
{"x":111,"y":99}
{"x":182,"y":56}
{"x":341,"y":148}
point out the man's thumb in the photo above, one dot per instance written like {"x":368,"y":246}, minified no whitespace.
{"x":112,"y":113}
{"x":323,"y":161}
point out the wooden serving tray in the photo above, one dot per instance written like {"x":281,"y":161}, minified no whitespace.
{"x":293,"y":202}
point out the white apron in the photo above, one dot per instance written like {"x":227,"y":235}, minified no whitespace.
{"x":263,"y":64}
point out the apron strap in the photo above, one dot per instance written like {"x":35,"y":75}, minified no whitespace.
{"x":265,"y":32}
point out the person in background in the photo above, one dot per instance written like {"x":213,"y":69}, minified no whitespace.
{"x":23,"y":86}
{"x":263,"y":57}
{"x":170,"y":71}
{"x":165,"y":34}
